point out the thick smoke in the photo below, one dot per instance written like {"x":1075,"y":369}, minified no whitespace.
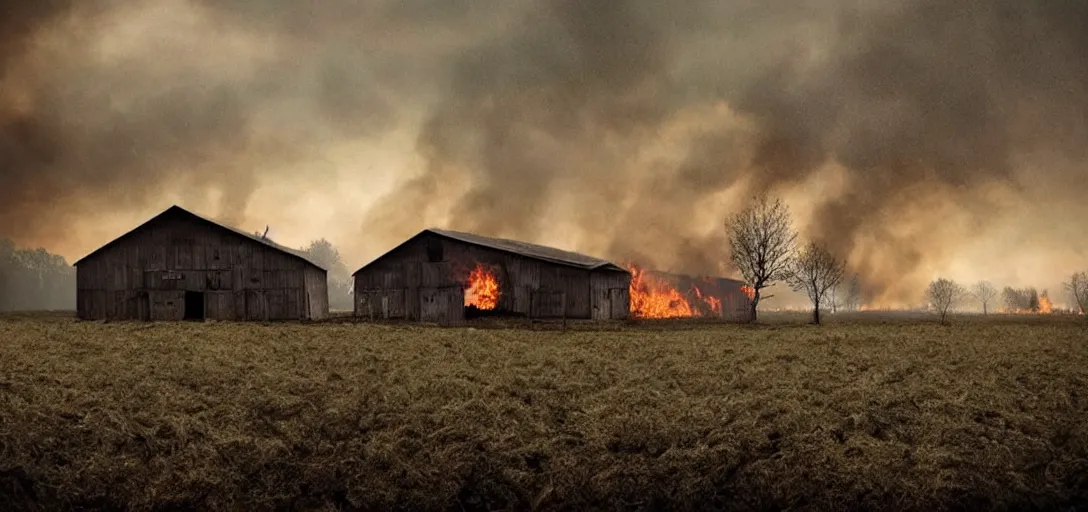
{"x":920,"y":104}
{"x":184,"y":103}
{"x":906,"y":133}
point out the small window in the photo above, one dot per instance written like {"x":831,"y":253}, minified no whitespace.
{"x":434,"y":251}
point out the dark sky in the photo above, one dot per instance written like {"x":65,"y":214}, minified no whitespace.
{"x":916,"y":138}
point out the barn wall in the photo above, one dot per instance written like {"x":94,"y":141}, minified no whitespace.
{"x":144,"y":276}
{"x":736,"y":306}
{"x":391,"y":287}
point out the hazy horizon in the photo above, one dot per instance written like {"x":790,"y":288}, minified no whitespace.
{"x":917,"y":139}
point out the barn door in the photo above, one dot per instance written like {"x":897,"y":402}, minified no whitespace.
{"x":620,"y":301}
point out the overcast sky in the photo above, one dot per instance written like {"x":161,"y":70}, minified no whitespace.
{"x":917,"y":138}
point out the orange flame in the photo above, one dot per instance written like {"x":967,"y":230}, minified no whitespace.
{"x":482,"y":290}
{"x":1045,"y":306}
{"x":714,"y":303}
{"x":749,"y":291}
{"x":654,"y":298}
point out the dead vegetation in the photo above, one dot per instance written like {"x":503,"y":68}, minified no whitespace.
{"x":866,"y":414}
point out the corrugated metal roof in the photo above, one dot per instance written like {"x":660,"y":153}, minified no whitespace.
{"x":177,"y":209}
{"x":528,"y":250}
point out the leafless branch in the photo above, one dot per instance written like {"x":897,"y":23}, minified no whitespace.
{"x":1078,"y":290}
{"x":761,"y":242}
{"x":815,"y":271}
{"x":944,"y":295}
{"x":984,"y":293}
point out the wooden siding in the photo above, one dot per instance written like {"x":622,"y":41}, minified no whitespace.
{"x":391,"y":286}
{"x":611,"y":295}
{"x":145,"y":276}
{"x":736,"y":306}
{"x":315,"y":297}
{"x":445,"y":306}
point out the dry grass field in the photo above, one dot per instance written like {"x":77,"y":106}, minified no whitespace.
{"x":870,"y":412}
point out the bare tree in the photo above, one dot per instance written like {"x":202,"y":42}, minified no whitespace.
{"x":816,"y":272}
{"x":985,"y":293}
{"x":1078,"y":290}
{"x":944,"y":295}
{"x":761,"y":241}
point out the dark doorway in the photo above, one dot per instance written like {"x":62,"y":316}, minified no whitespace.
{"x":194,"y":305}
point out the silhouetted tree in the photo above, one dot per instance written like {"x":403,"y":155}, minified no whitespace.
{"x":1077,"y":286}
{"x":761,"y":242}
{"x":984,"y":293}
{"x":944,"y":295}
{"x":815,"y":271}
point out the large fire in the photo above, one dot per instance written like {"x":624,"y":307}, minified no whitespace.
{"x":656,"y":297}
{"x":749,"y":291}
{"x":482,"y":289}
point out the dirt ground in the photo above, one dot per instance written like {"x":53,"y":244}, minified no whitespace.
{"x":878,"y":412}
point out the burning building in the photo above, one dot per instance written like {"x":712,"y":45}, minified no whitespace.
{"x":663,"y":295}
{"x":446,"y":276}
{"x":179,"y":265}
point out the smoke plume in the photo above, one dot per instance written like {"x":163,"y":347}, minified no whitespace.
{"x":914,"y":137}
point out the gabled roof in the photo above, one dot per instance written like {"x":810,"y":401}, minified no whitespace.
{"x":177,"y":210}
{"x":528,"y":250}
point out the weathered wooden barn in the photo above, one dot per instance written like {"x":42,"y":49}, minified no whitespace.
{"x":179,"y":265}
{"x":440,"y":276}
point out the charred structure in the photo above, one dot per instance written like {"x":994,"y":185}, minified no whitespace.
{"x":179,"y":265}
{"x":445,"y":276}
{"x":656,"y":294}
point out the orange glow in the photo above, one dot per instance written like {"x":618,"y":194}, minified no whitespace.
{"x":749,"y":291}
{"x":654,"y":298}
{"x":1045,"y":306}
{"x":714,"y":303}
{"x":482,"y":289}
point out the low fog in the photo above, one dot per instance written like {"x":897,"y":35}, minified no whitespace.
{"x":916,"y":138}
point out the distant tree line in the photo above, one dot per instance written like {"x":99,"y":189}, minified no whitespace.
{"x":327,"y":255}
{"x":763,"y":249}
{"x":35,"y":280}
{"x":1021,"y":299}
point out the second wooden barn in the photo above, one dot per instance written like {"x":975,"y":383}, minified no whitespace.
{"x":444,"y":276}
